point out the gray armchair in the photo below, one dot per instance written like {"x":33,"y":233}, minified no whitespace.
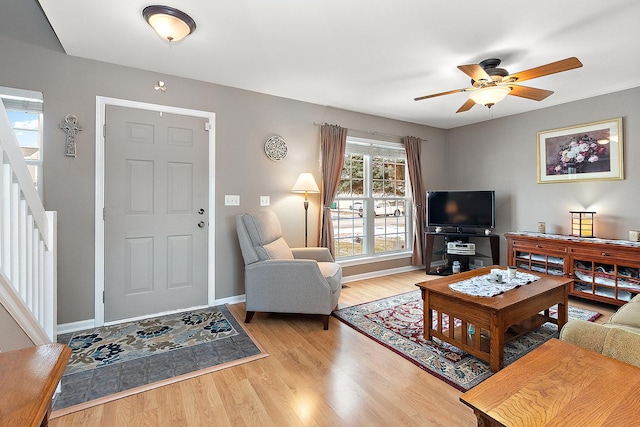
{"x":279,"y":279}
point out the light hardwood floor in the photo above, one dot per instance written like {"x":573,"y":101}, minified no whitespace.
{"x":311,"y":378}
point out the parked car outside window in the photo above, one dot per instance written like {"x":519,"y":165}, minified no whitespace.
{"x":383,"y":208}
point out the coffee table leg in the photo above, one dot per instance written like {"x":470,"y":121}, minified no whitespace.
{"x":496,"y":343}
{"x":563,"y":311}
{"x":427,"y":316}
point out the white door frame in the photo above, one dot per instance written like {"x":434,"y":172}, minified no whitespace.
{"x":101,"y":103}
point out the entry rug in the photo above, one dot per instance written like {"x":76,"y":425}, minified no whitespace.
{"x":397,"y":323}
{"x":110,"y":360}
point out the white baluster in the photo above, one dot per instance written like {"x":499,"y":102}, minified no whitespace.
{"x":22,"y":250}
{"x":15,"y":228}
{"x":35,"y":283}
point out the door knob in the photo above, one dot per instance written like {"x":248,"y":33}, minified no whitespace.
{"x":201,"y":211}
{"x":201,"y":224}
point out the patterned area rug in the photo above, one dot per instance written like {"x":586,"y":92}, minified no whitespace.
{"x":127,"y":341}
{"x":397,"y":323}
{"x":115,"y":361}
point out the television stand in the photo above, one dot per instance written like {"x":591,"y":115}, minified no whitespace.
{"x":430,"y":236}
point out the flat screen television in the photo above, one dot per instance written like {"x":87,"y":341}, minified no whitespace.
{"x":461,"y":209}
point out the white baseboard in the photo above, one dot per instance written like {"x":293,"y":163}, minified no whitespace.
{"x":380,"y":273}
{"x":232,"y":300}
{"x":81,"y":325}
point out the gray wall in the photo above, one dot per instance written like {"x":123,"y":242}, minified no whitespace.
{"x":501,"y":154}
{"x":32,"y":59}
{"x":12,"y":337}
{"x":498,"y":154}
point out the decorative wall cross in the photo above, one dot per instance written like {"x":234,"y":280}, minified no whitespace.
{"x":71,"y":127}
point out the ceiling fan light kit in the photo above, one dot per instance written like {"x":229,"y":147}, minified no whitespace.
{"x":171,"y":24}
{"x":490,"y":84}
{"x":489,"y":95}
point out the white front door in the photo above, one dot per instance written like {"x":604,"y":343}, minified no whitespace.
{"x":155,"y":219}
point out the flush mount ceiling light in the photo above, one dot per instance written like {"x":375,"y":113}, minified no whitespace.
{"x":489,"y":95}
{"x":170,"y":24}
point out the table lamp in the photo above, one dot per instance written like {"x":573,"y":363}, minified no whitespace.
{"x":305,"y":184}
{"x":582,"y":223}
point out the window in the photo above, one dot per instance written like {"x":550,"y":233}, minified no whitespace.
{"x":370,"y":213}
{"x":24,"y":109}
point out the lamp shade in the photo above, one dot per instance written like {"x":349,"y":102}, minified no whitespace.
{"x":582,"y":223}
{"x":170,"y":24}
{"x":488,"y":96}
{"x":305,"y":184}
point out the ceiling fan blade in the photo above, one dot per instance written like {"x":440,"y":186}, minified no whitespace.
{"x":466,"y":106}
{"x":475,"y":71}
{"x":530,"y":92}
{"x":545,"y":70}
{"x":439,"y":94}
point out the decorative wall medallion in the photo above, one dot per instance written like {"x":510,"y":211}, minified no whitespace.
{"x":275,"y":148}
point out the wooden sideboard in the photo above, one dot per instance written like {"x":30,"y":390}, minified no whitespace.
{"x":602,"y":269}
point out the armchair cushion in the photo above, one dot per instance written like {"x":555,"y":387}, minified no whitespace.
{"x":278,"y":249}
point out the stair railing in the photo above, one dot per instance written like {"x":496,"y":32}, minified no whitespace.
{"x":28,"y":244}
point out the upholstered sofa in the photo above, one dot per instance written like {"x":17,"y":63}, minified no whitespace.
{"x":280,"y":279}
{"x":618,"y":338}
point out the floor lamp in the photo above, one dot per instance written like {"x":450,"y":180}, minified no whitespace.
{"x":305,"y":184}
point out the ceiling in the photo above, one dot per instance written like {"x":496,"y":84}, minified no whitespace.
{"x":369,"y":56}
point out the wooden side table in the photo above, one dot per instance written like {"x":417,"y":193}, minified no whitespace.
{"x":28,"y":379}
{"x":558,"y":384}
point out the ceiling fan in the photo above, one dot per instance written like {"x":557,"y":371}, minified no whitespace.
{"x":490,"y":84}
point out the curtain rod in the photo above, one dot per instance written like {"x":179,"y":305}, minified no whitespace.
{"x":389,"y":135}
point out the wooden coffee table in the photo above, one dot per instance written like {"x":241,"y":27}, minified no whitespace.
{"x":496,"y":320}
{"x":558,"y":384}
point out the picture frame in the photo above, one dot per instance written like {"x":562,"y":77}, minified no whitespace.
{"x":586,"y":152}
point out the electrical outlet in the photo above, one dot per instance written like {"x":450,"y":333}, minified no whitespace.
{"x":231,"y":200}
{"x":265,"y":201}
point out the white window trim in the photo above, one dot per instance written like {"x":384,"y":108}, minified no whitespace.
{"x":32,"y":101}
{"x":370,"y":147}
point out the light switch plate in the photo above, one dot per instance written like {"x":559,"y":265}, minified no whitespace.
{"x":265,"y":201}
{"x":231,"y":200}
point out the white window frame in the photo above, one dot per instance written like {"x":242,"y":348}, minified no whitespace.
{"x":370,"y":148}
{"x":21,"y":100}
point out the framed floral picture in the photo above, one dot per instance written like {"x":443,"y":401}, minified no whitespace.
{"x":592,"y":151}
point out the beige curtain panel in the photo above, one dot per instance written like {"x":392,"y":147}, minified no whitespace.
{"x":333,"y":142}
{"x":412,"y":146}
